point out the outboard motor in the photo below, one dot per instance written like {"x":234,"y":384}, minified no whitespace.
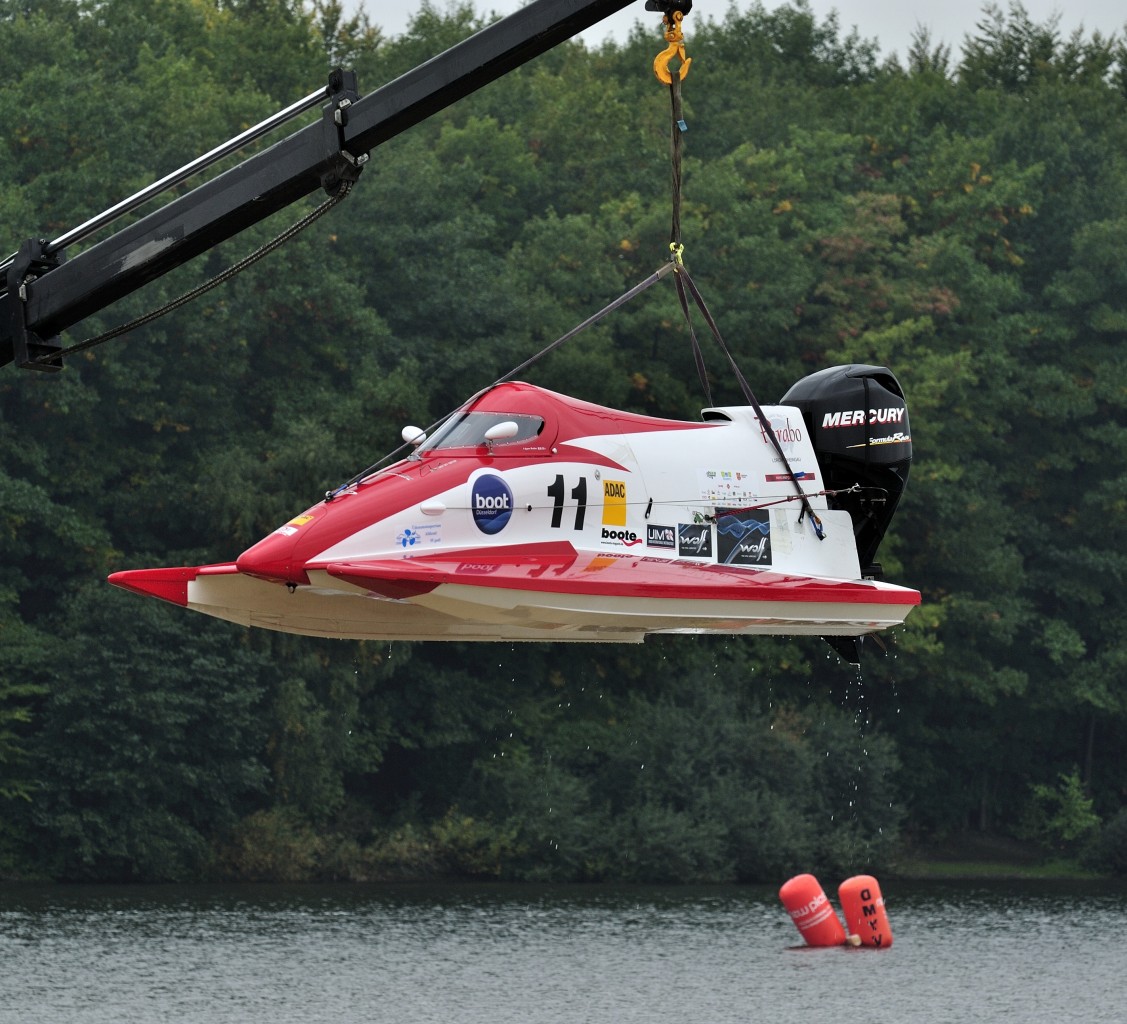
{"x":858,"y":422}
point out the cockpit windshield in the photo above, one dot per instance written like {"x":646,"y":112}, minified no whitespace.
{"x":468,"y":430}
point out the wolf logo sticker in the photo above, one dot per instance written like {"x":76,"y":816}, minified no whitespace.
{"x":743,"y":538}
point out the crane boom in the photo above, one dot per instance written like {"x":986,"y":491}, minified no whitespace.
{"x":44,"y":293}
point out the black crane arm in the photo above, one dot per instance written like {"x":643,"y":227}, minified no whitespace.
{"x":44,"y":293}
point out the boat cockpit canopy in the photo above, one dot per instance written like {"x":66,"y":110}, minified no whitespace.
{"x":470,"y":430}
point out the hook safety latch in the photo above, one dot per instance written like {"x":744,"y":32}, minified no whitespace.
{"x":676,"y":48}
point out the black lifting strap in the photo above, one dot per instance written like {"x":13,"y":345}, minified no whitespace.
{"x":683,"y":280}
{"x":675,"y":247}
{"x":682,"y":275}
{"x":657,"y":275}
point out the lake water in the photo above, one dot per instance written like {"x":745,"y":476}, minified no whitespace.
{"x":472,"y":954}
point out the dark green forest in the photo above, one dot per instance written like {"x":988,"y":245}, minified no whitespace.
{"x":958,"y":217}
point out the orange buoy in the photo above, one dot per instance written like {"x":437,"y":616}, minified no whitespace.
{"x":863,"y":907}
{"x":810,"y":909}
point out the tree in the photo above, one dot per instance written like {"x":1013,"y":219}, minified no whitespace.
{"x":139,"y":755}
{"x":959,"y":226}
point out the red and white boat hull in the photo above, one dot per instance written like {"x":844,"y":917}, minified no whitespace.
{"x":552,"y":593}
{"x":539,"y":517}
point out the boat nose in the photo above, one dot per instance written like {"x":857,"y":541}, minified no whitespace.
{"x":276,"y":558}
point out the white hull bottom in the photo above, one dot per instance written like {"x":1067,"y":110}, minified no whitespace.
{"x":333,"y":608}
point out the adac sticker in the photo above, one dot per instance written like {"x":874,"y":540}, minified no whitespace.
{"x":614,"y":503}
{"x":492,"y":503}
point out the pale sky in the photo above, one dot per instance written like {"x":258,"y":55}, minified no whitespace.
{"x":890,"y":22}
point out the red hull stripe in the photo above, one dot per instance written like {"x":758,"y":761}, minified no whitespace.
{"x":558,"y":568}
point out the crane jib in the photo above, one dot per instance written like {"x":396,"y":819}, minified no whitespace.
{"x":42,"y":293}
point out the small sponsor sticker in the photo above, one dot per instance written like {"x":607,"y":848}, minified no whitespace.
{"x":294,"y":525}
{"x":477,"y":568}
{"x":619,"y":538}
{"x":783,"y":478}
{"x":694,"y":540}
{"x":417,"y":536}
{"x":727,"y":486}
{"x":743,"y":538}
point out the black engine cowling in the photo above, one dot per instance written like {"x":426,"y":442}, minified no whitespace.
{"x":858,"y":421}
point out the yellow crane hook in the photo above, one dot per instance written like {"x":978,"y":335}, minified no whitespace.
{"x":676,"y":48}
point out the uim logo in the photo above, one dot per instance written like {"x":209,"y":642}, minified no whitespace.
{"x":492,"y":503}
